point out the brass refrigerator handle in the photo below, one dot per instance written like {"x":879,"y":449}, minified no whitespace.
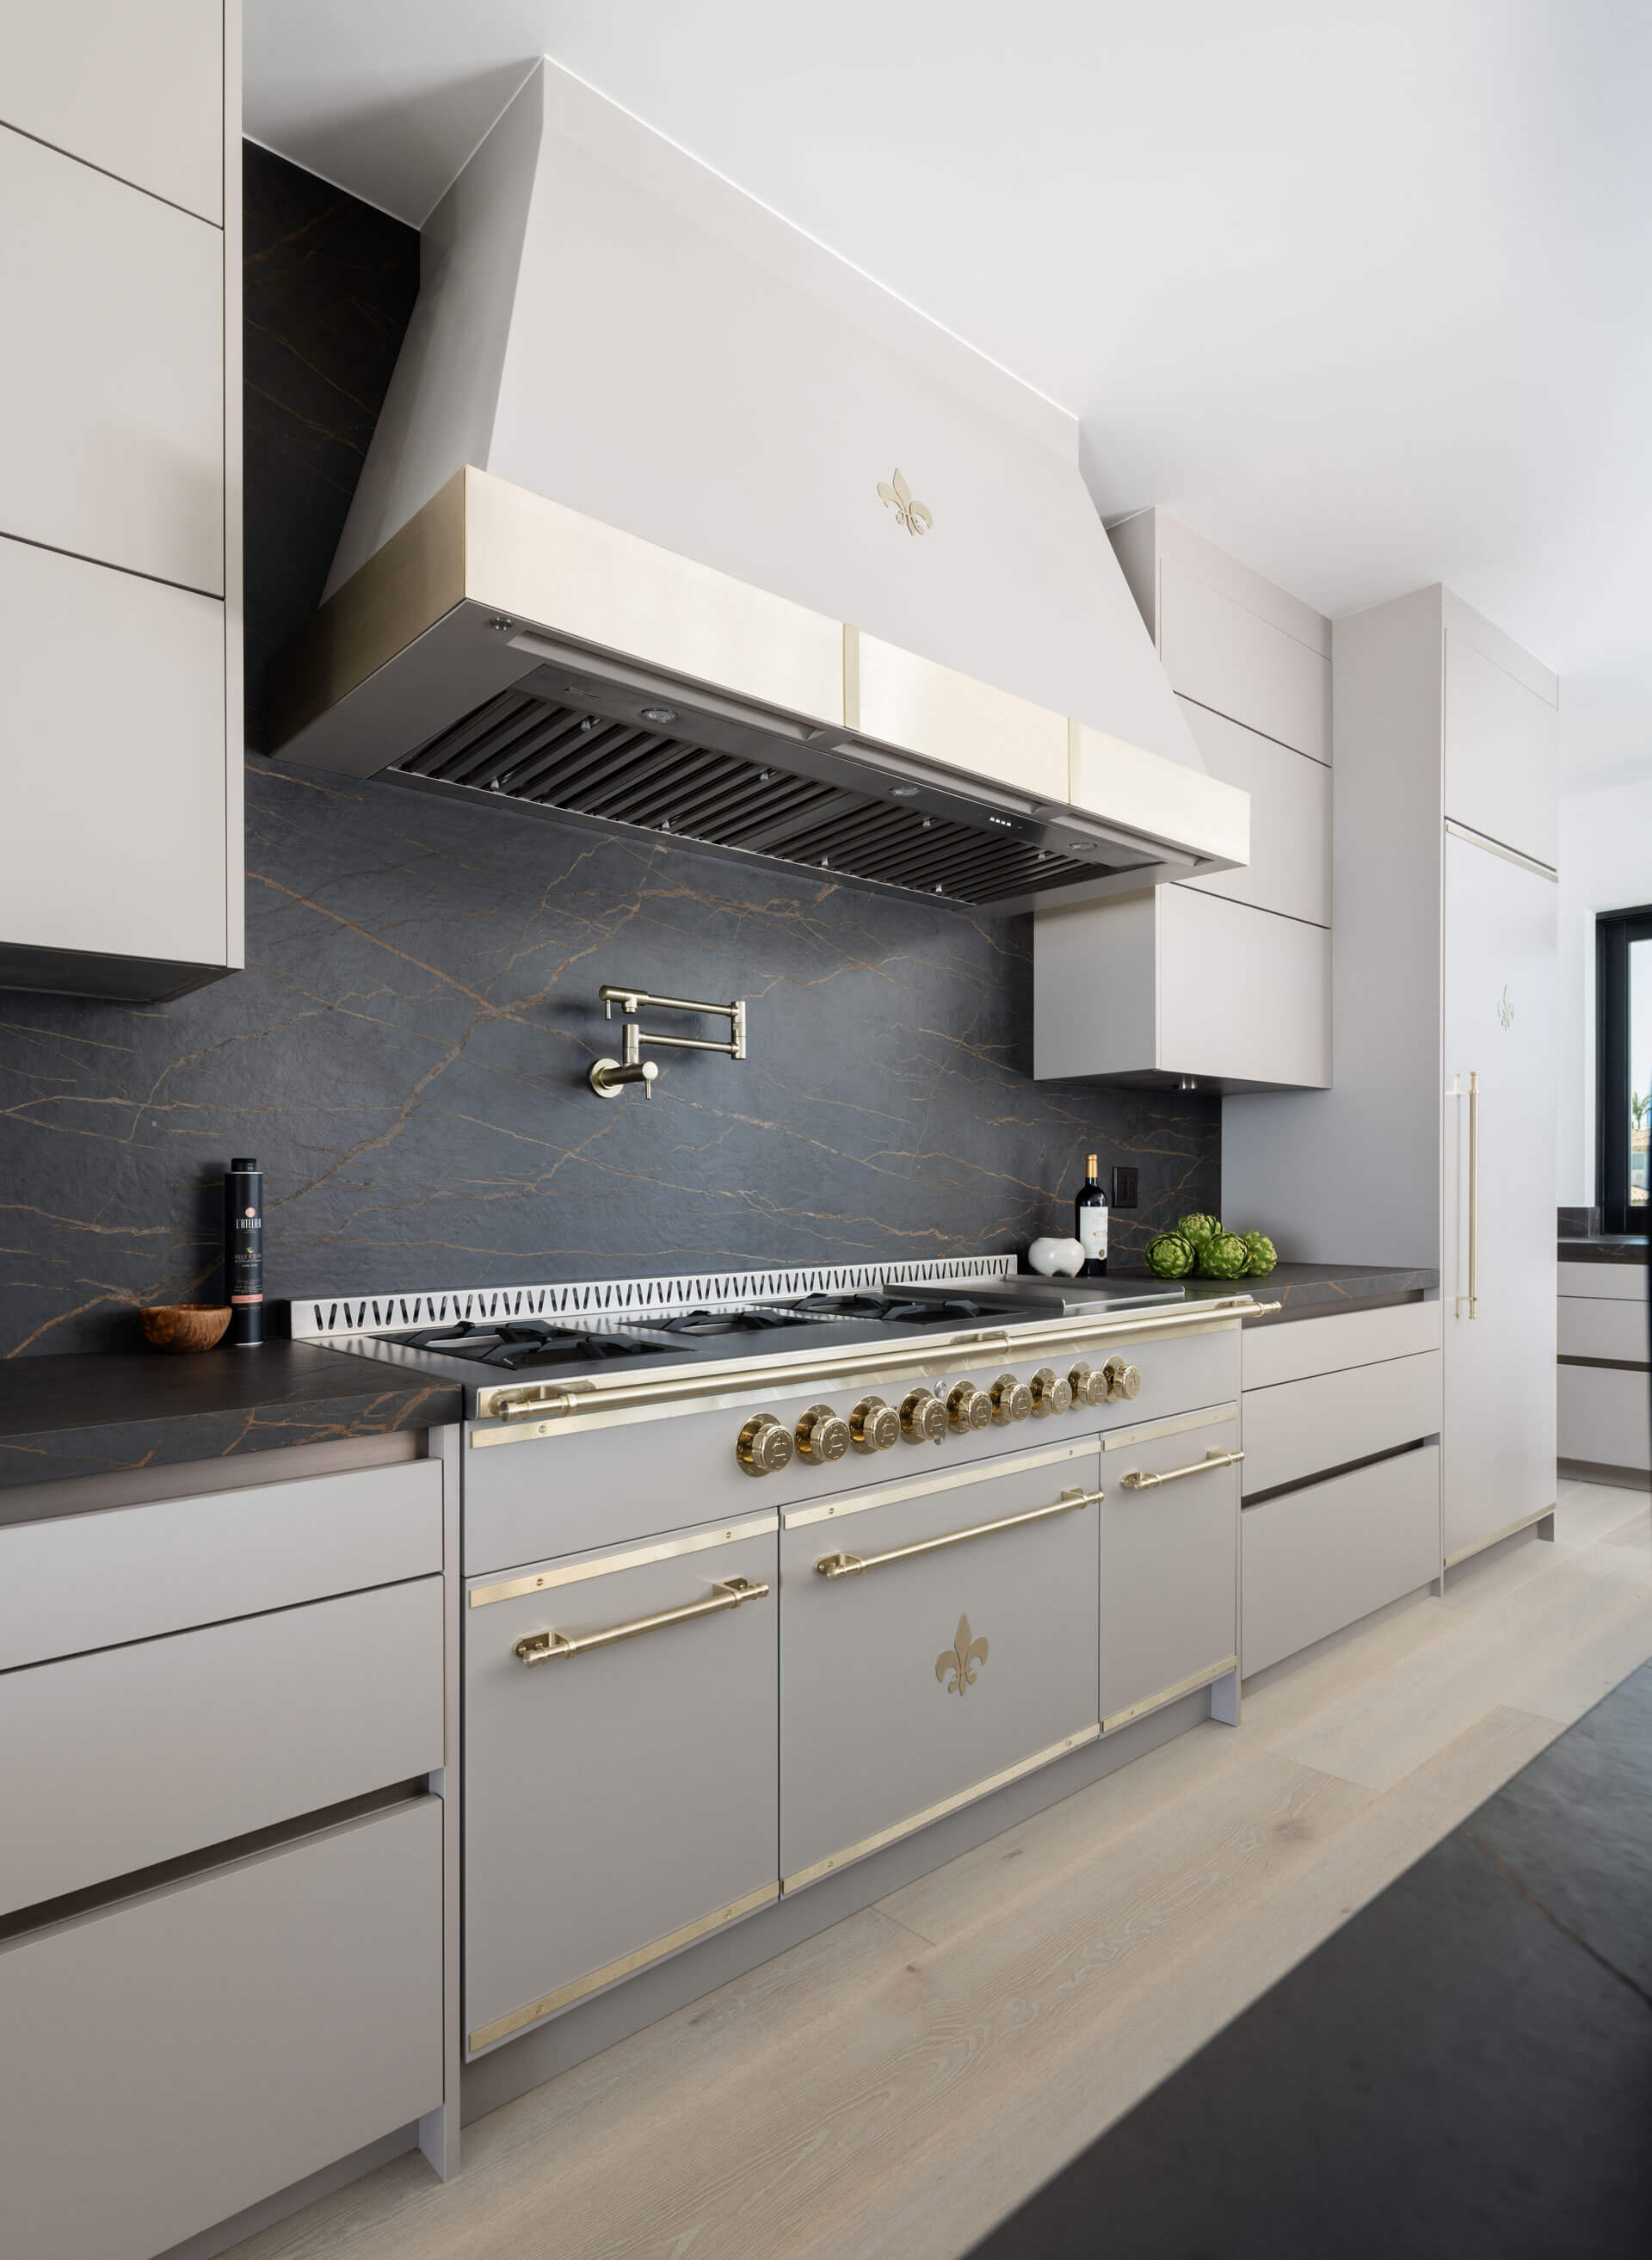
{"x":1136,"y":1481}
{"x":852,"y":1565}
{"x":1474,"y":1193}
{"x":728,"y":1593}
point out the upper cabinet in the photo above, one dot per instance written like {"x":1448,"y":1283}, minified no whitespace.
{"x":120,"y":698}
{"x":138,"y":91}
{"x":1502,"y":736}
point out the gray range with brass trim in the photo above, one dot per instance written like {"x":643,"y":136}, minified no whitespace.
{"x":765,"y":1573}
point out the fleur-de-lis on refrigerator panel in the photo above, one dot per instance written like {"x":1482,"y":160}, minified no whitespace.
{"x":1506,"y":1007}
{"x":961,"y":1659}
{"x":914,"y":516}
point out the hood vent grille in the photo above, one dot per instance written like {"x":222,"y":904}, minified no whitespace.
{"x":560,"y":759}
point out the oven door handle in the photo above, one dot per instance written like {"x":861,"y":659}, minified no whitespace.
{"x":546,"y":1647}
{"x":854,"y":1565}
{"x":1136,"y":1481}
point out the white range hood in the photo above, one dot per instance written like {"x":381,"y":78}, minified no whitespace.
{"x":629,"y":547}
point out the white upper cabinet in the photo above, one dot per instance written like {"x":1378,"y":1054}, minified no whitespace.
{"x":1502,"y":738}
{"x":1289,"y":866}
{"x":136,"y":90}
{"x":112,"y":388}
{"x":901,"y":700}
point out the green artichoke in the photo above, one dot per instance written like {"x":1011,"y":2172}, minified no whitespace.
{"x":1196,"y":1229}
{"x":1224,"y":1257}
{"x":1263,"y":1254}
{"x":1169,"y":1256}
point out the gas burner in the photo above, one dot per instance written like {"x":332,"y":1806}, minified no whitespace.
{"x":522,"y":1341}
{"x":893,"y":1310}
{"x":756,"y":1318}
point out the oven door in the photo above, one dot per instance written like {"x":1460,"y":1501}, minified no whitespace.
{"x":940,"y":1638}
{"x":621,"y":1763}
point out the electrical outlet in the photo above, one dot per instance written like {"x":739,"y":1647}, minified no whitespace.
{"x":1125,"y":1188}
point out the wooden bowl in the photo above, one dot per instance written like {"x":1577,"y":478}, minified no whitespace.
{"x":185,"y":1325}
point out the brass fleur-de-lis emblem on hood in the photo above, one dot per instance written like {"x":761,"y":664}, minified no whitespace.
{"x":914,"y":516}
{"x":961,"y":1659}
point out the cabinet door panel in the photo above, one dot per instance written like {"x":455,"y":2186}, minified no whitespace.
{"x":111,"y":389}
{"x":1324,"y":1557}
{"x":1502,"y":749}
{"x":1238,"y":664}
{"x":1289,"y":866}
{"x":111,"y":745}
{"x":1606,"y":1417}
{"x":1242,"y":994}
{"x":1170,"y":1566}
{"x":182,"y":2055}
{"x":622,"y":1799}
{"x":136,"y":90}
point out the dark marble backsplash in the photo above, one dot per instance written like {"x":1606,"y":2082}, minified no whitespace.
{"x":406,"y":1051}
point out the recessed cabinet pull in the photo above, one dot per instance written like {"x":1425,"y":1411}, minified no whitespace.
{"x":1135,"y":1481}
{"x":544,"y":1647}
{"x":852,"y":1565}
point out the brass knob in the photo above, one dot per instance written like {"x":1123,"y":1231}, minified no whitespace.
{"x":923,"y":1417}
{"x":1050,"y":1392}
{"x":1012,"y":1399}
{"x":1122,"y":1379}
{"x":822,"y":1435}
{"x":763,"y":1446}
{"x":969,"y":1407}
{"x":873,"y":1425}
{"x":1087,"y":1386}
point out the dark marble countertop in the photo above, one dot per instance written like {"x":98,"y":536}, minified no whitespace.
{"x":1306,"y":1290}
{"x":100,"y":1413}
{"x":1604,"y":1247}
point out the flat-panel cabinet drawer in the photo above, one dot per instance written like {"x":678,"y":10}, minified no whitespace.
{"x":1169,"y":1562}
{"x":113,"y":384}
{"x":1619,"y":1331}
{"x":1314,"y":1427}
{"x":189,"y":2052}
{"x":1604,"y":1282}
{"x":1292,"y":1350}
{"x":88,"y":1581}
{"x":621,"y":1764}
{"x":1326,"y":1555}
{"x":939,"y":1637}
{"x":112,"y":1762}
{"x":1606,"y":1417}
{"x":1239,"y":664}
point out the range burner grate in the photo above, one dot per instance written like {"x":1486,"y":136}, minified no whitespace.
{"x":524,"y":1342}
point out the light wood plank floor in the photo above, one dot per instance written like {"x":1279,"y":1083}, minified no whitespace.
{"x":898,"y":2083}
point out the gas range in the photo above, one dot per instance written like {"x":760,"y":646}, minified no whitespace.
{"x":681,"y":1328}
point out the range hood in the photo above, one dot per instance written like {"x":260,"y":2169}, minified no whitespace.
{"x":672,"y":520}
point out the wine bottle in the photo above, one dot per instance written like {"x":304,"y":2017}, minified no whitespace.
{"x":1090,"y":1222}
{"x":244,"y":1252}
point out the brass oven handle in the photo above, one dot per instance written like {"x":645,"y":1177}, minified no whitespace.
{"x":1136,"y":1481}
{"x":542,"y":1646}
{"x":851,"y":1565}
{"x":1474,"y":1193}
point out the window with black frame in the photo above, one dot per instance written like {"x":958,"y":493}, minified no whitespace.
{"x":1623,"y":1057}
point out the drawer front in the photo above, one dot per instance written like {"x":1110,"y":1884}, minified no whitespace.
{"x":100,"y":280}
{"x":622,"y":1800}
{"x":1169,"y":1563}
{"x":191,"y":2051}
{"x":1236,"y":662}
{"x":1324,"y":1557}
{"x":1606,"y":1282}
{"x":1602,"y":1329}
{"x":1266,"y":1016}
{"x":92,"y":1581}
{"x":541,"y":1496}
{"x":1605,"y":1417}
{"x":915,"y":1685}
{"x":1309,"y":1428}
{"x":1293,"y":1349}
{"x":1289,"y":866}
{"x":111,"y":1762}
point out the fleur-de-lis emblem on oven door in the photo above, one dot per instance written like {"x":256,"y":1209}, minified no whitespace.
{"x":961,"y":1659}
{"x":914,"y":516}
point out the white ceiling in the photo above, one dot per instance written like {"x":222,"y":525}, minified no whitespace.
{"x":1364,"y":294}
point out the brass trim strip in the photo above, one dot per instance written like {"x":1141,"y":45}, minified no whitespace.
{"x":1496,"y":847}
{"x":798,"y":1373}
{"x":1507,"y":1531}
{"x":1178,"y":1425}
{"x":636,"y":1557}
{"x":1138,"y":1480}
{"x":938,"y":1812}
{"x":853,"y":1565}
{"x":530,"y":2014}
{"x":927,"y":1486}
{"x":1188,"y":1686}
{"x":548,"y":1646}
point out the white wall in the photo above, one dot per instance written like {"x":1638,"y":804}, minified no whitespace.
{"x":1606,"y":864}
